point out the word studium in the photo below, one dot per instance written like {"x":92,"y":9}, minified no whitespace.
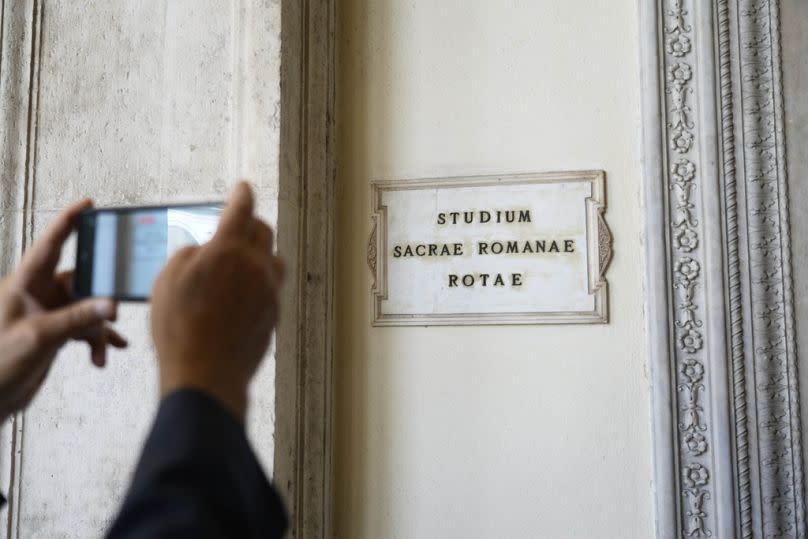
{"x":480,"y":248}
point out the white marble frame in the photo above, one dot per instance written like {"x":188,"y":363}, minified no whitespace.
{"x":598,"y":251}
{"x":719,"y":305}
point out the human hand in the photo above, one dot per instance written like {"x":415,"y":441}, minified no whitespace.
{"x":214,"y":307}
{"x":38,"y":316}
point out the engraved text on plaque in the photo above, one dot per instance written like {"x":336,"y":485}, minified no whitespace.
{"x":522,"y":249}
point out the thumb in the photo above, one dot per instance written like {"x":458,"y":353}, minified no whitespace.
{"x":60,"y":325}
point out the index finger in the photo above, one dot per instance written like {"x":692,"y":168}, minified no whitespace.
{"x":237,"y":215}
{"x":43,"y":255}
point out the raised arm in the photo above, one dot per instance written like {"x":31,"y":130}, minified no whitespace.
{"x":213,"y":312}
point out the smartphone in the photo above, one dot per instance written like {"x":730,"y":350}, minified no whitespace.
{"x":120,"y":251}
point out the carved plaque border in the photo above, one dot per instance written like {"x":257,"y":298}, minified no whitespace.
{"x":598,"y":251}
{"x":719,"y":305}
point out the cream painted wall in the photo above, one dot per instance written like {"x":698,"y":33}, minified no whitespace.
{"x":490,"y":432}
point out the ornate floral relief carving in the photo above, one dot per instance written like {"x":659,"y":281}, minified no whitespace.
{"x":373,"y":254}
{"x":604,"y":246}
{"x":695,"y":516}
{"x":767,"y":474}
{"x":685,"y":240}
{"x":774,"y":356}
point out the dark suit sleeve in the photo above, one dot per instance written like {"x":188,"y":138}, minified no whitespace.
{"x":198,"y":477}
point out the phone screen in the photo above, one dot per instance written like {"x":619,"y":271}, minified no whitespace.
{"x":121,"y":251}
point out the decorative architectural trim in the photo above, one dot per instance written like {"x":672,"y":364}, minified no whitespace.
{"x":605,"y":241}
{"x":303,"y":440}
{"x":735,"y":305}
{"x":718,"y":285}
{"x":773,"y":347}
{"x":373,"y":253}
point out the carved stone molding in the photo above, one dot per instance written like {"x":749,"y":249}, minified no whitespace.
{"x":774,"y":358}
{"x":20,"y":55}
{"x":373,"y":253}
{"x":303,"y":441}
{"x":604,"y":247}
{"x":719,"y":300}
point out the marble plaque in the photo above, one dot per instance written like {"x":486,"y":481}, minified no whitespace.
{"x":521,"y":249}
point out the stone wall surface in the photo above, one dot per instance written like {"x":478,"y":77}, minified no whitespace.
{"x":130,"y":103}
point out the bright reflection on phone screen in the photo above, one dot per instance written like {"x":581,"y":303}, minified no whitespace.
{"x":131,"y":247}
